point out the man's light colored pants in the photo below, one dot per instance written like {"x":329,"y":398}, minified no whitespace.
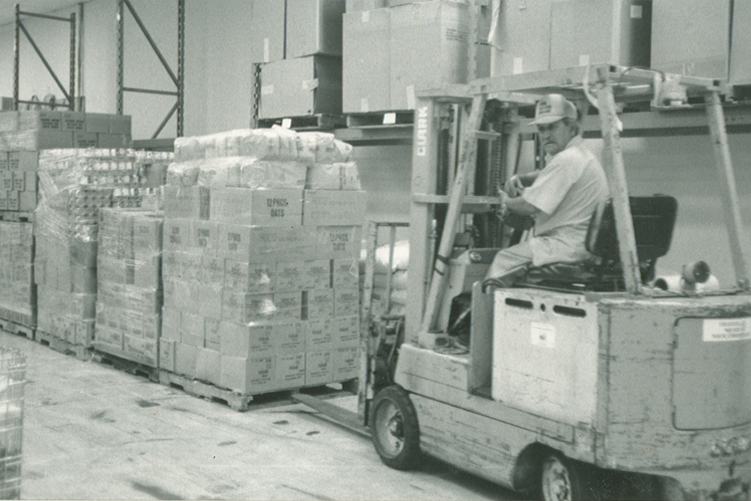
{"x":509,"y":263}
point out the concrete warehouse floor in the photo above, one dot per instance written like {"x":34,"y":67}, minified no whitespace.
{"x":93,"y":432}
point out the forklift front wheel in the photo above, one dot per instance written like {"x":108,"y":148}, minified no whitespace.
{"x":559,"y":479}
{"x":394,"y":427}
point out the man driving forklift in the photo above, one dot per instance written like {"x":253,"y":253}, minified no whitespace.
{"x":561,"y":197}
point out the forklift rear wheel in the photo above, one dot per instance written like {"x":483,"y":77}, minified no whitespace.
{"x":396,"y":434}
{"x":559,"y":479}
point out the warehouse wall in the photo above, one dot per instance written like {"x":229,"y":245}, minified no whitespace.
{"x":217,"y":64}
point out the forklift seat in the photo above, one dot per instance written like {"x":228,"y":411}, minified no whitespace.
{"x":653,"y":219}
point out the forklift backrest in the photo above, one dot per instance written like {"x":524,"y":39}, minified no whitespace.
{"x":653,"y":219}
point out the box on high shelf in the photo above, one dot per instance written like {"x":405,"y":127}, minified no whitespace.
{"x":303,"y":86}
{"x":429,"y":47}
{"x":366,"y":61}
{"x":702,"y":38}
{"x":267,"y":31}
{"x":554,"y":34}
{"x":314,"y":27}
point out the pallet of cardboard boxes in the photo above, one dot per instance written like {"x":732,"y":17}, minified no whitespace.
{"x":262,"y":237}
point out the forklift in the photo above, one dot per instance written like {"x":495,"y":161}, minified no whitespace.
{"x":578,"y":374}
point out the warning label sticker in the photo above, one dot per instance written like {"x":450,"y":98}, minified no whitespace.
{"x":726,"y":329}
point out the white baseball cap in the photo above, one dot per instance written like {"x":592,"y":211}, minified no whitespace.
{"x":552,"y":108}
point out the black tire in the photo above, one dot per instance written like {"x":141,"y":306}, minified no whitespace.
{"x":559,"y":479}
{"x":394,"y":428}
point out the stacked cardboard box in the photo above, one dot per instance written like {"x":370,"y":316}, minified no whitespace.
{"x":300,"y":44}
{"x":262,"y":235}
{"x":389,"y":53}
{"x":129,"y":285}
{"x":75,"y":184}
{"x":24,"y":133}
{"x":552,"y":34}
{"x":17,"y":301}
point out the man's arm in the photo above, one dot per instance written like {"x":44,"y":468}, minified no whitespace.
{"x":518,"y":205}
{"x":516,"y":183}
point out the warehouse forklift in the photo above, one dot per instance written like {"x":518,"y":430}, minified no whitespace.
{"x":580,"y":381}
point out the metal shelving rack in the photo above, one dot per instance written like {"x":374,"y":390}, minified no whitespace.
{"x":178,"y":79}
{"x":70,"y":93}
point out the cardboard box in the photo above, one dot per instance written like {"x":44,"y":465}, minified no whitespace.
{"x":346,"y":272}
{"x":40,"y":120}
{"x":290,"y":337}
{"x":338,"y":242}
{"x":303,"y":86}
{"x":366,"y":61}
{"x":253,"y":278}
{"x":691,"y":38}
{"x":12,"y":200}
{"x":245,"y":308}
{"x":113,"y":140}
{"x":249,"y":376}
{"x":314,"y":27}
{"x":3,"y":161}
{"x":147,"y":234}
{"x":429,"y":48}
{"x":213,"y":270}
{"x":212,"y":334}
{"x":592,"y":32}
{"x":140,"y":350}
{"x":290,"y":370}
{"x":361,"y":5}
{"x":319,"y":368}
{"x":185,"y":359}
{"x":192,"y":330}
{"x":346,"y":302}
{"x":346,"y":362}
{"x":290,"y":276}
{"x":204,"y":236}
{"x":147,"y":272}
{"x":317,"y":274}
{"x":524,"y":33}
{"x":27,"y":201}
{"x":267,"y":31}
{"x":266,"y":208}
{"x":186,"y":202}
{"x":105,"y":335}
{"x":23,"y":160}
{"x":740,"y":64}
{"x":288,"y":306}
{"x":176,"y":234}
{"x":324,"y":207}
{"x":319,"y":304}
{"x":97,"y":122}
{"x":208,"y":366}
{"x":244,"y":341}
{"x":8,"y":119}
{"x":319,"y":335}
{"x":120,"y":124}
{"x":346,"y":332}
{"x":85,"y":140}
{"x":167,"y":349}
{"x":257,"y":245}
{"x":6,"y":180}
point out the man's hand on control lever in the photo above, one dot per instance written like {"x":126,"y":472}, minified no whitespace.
{"x":514,"y":186}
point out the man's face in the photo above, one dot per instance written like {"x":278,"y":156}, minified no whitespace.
{"x":555,"y":136}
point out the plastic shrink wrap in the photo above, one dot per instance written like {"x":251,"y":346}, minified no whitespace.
{"x":74,"y":186}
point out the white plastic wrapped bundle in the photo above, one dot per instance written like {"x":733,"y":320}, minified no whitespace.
{"x":238,"y":172}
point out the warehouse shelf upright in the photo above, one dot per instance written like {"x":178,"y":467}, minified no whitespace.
{"x":70,"y":92}
{"x":178,"y":79}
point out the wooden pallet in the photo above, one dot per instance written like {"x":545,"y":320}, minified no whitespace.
{"x":18,"y":329}
{"x":62,"y":346}
{"x":125,"y":365}
{"x":240,"y":401}
{"x":307,"y":122}
{"x":17,"y":216}
{"x":380,"y":119}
